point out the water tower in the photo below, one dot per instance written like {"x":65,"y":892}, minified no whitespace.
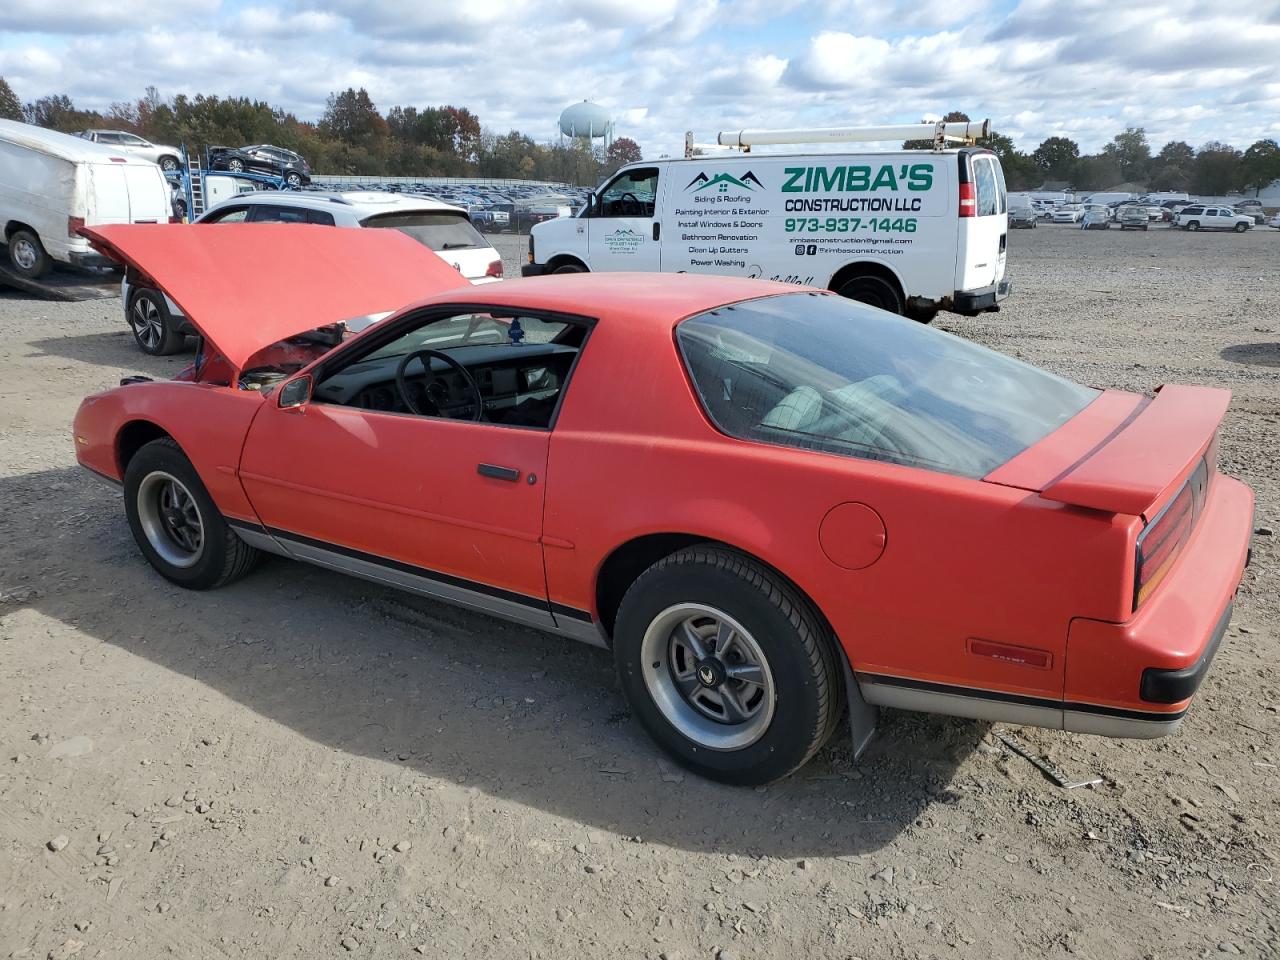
{"x":588,"y":121}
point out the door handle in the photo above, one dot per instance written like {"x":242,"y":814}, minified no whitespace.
{"x":657,"y":230}
{"x":496,"y":472}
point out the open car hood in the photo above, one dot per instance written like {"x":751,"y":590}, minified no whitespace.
{"x":245,"y":286}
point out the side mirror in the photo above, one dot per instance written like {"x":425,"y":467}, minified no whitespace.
{"x":295,"y":393}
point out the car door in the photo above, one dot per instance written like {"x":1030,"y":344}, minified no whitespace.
{"x":447,"y":507}
{"x":623,"y":232}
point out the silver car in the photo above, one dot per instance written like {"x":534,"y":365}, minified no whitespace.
{"x":167,"y":157}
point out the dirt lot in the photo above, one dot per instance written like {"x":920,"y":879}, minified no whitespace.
{"x":303,"y":765}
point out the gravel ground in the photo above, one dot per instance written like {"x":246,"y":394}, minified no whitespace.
{"x":305,"y":765}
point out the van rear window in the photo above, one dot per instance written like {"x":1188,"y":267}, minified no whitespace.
{"x":437,"y":231}
{"x":820,"y":372}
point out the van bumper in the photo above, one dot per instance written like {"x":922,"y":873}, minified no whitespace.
{"x":984,"y":298}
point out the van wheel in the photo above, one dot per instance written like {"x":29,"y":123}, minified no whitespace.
{"x":569,"y":268}
{"x":1241,"y":227}
{"x":726,"y":667}
{"x":27,"y":254}
{"x":152,"y":325}
{"x":874,"y":291}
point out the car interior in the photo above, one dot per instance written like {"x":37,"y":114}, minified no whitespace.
{"x":492,"y":367}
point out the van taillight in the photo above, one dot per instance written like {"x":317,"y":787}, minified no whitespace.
{"x":1164,"y":537}
{"x":73,"y":226}
{"x":968,"y":200}
{"x":495,"y":270}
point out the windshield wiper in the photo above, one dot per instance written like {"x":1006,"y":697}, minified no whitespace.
{"x":455,"y":246}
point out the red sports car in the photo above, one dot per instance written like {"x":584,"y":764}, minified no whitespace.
{"x":768,"y":501}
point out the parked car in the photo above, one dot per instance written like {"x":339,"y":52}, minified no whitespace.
{"x":1274,"y":221}
{"x":1068,"y":213}
{"x":167,"y":157}
{"x":264,"y":159}
{"x":664,"y":465}
{"x":1132,"y":217}
{"x":1253,"y":209}
{"x":1095,"y":220}
{"x":53,"y":183}
{"x":1213,"y":218}
{"x":159,"y":325}
{"x":1021,"y":218}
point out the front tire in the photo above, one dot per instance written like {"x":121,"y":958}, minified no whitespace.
{"x":726,"y":667}
{"x":27,"y":254}
{"x":569,"y":268}
{"x":874,"y":291}
{"x":1193,"y":225}
{"x":1241,"y":227}
{"x":176,"y":524}
{"x":235,"y":165}
{"x":168,"y":164}
{"x":152,"y":325}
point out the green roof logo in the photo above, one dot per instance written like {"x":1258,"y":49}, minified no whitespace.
{"x":722,"y":182}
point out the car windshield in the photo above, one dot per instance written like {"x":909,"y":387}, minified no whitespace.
{"x":820,"y":372}
{"x":438,"y":231}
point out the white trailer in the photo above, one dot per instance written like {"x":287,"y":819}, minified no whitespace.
{"x":51,"y":184}
{"x":910,"y":231}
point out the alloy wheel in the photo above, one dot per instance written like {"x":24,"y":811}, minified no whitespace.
{"x":24,"y":253}
{"x":708,"y":676}
{"x":147,"y":323}
{"x":170,"y":519}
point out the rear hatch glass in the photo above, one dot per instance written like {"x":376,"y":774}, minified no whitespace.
{"x":829,"y":374}
{"x":439,"y":231}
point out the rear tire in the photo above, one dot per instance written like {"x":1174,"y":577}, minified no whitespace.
{"x":152,"y":324}
{"x":27,"y":254}
{"x":874,"y":291}
{"x":768,"y":662}
{"x":176,"y":524}
{"x":168,"y":164}
{"x":569,"y":268}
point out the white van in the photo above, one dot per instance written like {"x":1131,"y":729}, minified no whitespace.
{"x":51,"y":184}
{"x":911,"y":231}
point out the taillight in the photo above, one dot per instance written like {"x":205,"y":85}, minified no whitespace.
{"x":495,"y":269}
{"x":1164,"y":537}
{"x":968,"y":200}
{"x":73,"y":226}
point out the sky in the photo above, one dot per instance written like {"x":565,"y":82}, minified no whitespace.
{"x":1183,"y":69}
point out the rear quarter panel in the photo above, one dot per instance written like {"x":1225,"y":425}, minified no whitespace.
{"x":633,"y":454}
{"x":208,"y":422}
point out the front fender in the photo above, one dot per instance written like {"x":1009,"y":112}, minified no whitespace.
{"x":208,"y":422}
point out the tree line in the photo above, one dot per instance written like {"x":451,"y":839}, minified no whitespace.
{"x":1213,"y":169}
{"x":352,"y":137}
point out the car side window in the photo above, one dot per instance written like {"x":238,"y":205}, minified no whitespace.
{"x":320,"y":217}
{"x":234,"y":215}
{"x":494,"y":367}
{"x":269,"y":213}
{"x":632,"y":194}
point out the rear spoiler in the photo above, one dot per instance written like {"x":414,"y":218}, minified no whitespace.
{"x":1146,"y":455}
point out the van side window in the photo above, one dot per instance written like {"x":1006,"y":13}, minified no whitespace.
{"x":631,"y":195}
{"x":984,"y":175}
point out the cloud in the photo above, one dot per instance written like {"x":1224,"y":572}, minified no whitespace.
{"x":1186,"y":69}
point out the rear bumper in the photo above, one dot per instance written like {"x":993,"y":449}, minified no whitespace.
{"x":1137,"y":679}
{"x":89,"y":259}
{"x":984,"y":298}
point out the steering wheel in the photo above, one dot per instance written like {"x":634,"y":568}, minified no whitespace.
{"x":426,"y":356}
{"x":629,"y":205}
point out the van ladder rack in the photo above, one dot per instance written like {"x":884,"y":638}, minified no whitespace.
{"x":939,"y":133}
